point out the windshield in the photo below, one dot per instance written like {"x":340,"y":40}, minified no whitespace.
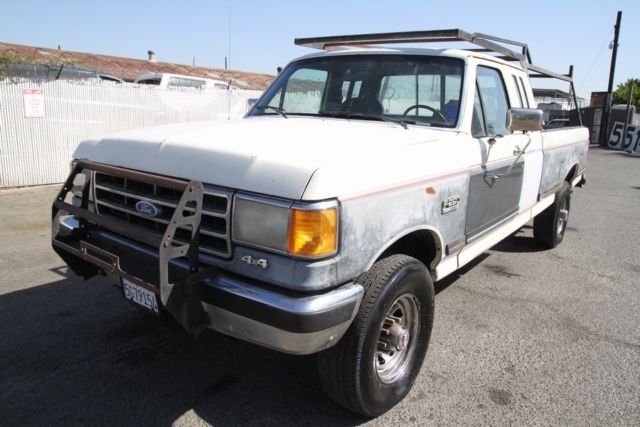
{"x":420,"y":90}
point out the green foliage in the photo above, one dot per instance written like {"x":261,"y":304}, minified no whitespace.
{"x":6,"y":61}
{"x":9,"y":59}
{"x":622,"y":92}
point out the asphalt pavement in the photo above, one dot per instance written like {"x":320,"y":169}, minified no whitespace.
{"x":523,"y":336}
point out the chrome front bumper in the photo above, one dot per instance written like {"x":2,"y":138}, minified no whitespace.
{"x":295,"y":323}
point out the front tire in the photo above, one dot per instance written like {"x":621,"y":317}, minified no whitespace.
{"x":550,"y":225}
{"x":376,"y":362}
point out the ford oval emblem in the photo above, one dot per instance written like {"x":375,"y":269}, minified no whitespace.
{"x":147,"y":209}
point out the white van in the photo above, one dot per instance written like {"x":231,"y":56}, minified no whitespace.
{"x":180,"y":81}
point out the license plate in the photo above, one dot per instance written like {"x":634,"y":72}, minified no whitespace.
{"x":140,"y":296}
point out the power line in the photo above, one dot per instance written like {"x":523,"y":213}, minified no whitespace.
{"x":595,"y":60}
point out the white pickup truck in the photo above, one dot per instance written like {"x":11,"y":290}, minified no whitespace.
{"x":319,"y":222}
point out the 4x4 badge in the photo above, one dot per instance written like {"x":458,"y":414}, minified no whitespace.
{"x":257,"y":262}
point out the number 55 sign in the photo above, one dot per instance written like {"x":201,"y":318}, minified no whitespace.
{"x":629,"y":142}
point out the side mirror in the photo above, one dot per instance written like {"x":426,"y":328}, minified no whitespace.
{"x":524,"y":119}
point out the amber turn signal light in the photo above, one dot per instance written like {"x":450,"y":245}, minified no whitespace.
{"x":313,"y":233}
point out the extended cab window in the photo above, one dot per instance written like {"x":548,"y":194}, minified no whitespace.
{"x":524,"y":93}
{"x":415,"y":89}
{"x":494,"y":101}
{"x":518,"y":92}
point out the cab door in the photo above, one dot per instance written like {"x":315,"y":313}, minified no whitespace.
{"x":495,"y":185}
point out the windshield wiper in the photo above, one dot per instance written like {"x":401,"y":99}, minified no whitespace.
{"x":271,"y":107}
{"x":349,"y":115}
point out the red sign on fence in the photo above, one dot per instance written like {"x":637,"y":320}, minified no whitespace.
{"x":33,"y":102}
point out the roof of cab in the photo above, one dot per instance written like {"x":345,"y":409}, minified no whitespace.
{"x":369,"y":50}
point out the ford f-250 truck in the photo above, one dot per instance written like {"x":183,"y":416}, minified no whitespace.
{"x":319,"y":222}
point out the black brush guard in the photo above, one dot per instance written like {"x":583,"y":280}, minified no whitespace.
{"x":79,"y":250}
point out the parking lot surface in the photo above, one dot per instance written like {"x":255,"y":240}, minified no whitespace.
{"x":522,"y":336}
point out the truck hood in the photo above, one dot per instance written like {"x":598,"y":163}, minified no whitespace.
{"x":268,"y":155}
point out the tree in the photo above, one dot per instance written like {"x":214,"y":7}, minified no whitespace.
{"x":622,"y":92}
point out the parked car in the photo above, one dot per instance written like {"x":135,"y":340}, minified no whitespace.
{"x":319,"y":222}
{"x":179,"y":81}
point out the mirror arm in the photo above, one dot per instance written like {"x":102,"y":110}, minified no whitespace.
{"x":519,"y":155}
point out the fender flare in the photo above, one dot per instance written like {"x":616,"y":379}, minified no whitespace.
{"x":434,"y":231}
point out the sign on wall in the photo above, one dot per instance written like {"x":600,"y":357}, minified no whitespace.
{"x":629,"y":142}
{"x":33,"y":102}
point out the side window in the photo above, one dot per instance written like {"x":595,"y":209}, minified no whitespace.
{"x":524,"y":93}
{"x":518,"y":91}
{"x":494,"y":100}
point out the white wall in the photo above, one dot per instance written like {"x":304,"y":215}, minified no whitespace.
{"x":37,"y":150}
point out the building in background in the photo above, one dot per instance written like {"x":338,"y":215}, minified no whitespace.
{"x":52,"y":99}
{"x":128,"y":69}
{"x":554,"y":100}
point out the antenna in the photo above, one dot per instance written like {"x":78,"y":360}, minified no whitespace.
{"x":229,"y":38}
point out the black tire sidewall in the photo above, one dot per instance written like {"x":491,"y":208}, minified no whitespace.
{"x":562,"y":195}
{"x":413,"y":279}
{"x":545,"y":225}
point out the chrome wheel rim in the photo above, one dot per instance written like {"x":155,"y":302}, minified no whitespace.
{"x":563,"y":216}
{"x":397,"y":339}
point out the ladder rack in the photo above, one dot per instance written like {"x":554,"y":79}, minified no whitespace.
{"x":515,"y":51}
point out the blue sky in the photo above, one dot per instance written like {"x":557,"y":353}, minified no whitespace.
{"x":559,"y":33}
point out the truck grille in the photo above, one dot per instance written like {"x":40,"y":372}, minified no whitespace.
{"x":117,"y":197}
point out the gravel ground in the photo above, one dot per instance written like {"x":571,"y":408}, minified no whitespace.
{"x":521,"y":336}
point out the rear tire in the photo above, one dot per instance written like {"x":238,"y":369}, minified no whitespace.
{"x":376,"y":362}
{"x":550,"y":225}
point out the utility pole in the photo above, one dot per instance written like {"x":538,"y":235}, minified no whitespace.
{"x":606,"y":108}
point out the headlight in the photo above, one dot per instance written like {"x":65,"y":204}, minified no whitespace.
{"x":261,"y":224}
{"x":304,"y":230}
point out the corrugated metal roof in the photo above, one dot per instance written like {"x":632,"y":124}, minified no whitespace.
{"x":130,"y":68}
